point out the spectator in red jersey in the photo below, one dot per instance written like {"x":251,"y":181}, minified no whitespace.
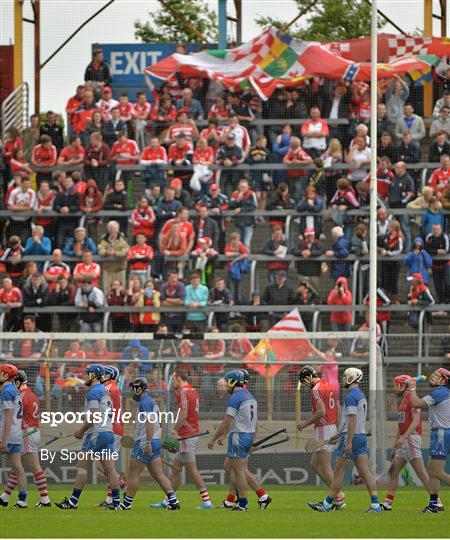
{"x":76,"y":368}
{"x":83,"y":116}
{"x":12,"y":258}
{"x":296,"y":178}
{"x":91,"y":202}
{"x":54,"y":268}
{"x":220,"y":110}
{"x":235,"y":251}
{"x":143,"y":219}
{"x":140,"y":258}
{"x":125,"y":152}
{"x":440,"y":179}
{"x":21,"y":199}
{"x":107,"y":103}
{"x":384,"y":178}
{"x":45,"y":198}
{"x":183,"y":126}
{"x":149,"y":320}
{"x":97,"y":160}
{"x":19,"y":163}
{"x":340,"y":295}
{"x":204,"y":256}
{"x":73,"y":154}
{"x":87,"y":270}
{"x":181,"y":154}
{"x":240,"y":347}
{"x":124,"y":109}
{"x":314,"y":133}
{"x":173,"y":243}
{"x":186,"y":227}
{"x":152,"y":158}
{"x":141,"y":114}
{"x":383,"y":300}
{"x":117,"y":296}
{"x":12,"y":141}
{"x":134,"y":292}
{"x":11,"y":299}
{"x":276,"y":246}
{"x":72,"y":105}
{"x":213,"y":134}
{"x":101,"y":352}
{"x":203,"y":156}
{"x":163,"y":113}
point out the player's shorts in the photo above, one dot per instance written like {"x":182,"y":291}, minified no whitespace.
{"x":411,"y":448}
{"x":96,"y":442}
{"x":440,"y":443}
{"x":359,"y":446}
{"x":139,"y":454}
{"x":117,"y":443}
{"x":14,"y":448}
{"x":323,"y":433}
{"x":31,"y":442}
{"x":186,"y":453}
{"x":239,"y":444}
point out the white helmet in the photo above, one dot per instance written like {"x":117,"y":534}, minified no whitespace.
{"x":352,"y":375}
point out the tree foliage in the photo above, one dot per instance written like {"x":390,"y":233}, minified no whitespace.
{"x":328,"y":20}
{"x":162,"y":26}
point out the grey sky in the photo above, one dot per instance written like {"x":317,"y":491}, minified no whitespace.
{"x":59,"y":18}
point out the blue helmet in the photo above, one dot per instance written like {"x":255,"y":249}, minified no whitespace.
{"x":110,"y":373}
{"x":235,"y":377}
{"x":96,"y":370}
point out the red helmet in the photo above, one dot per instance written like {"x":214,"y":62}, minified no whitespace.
{"x":444,"y":373}
{"x":402,"y":379}
{"x":9,"y":369}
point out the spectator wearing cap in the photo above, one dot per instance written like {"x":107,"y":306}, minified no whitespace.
{"x":418,"y":260}
{"x":78,"y":243}
{"x":228,"y":156}
{"x":243,"y":202}
{"x":117,"y":200}
{"x":340,"y":295}
{"x":107,"y":103}
{"x":98,"y":71}
{"x":278,"y":293}
{"x":113,"y":245}
{"x":339,"y":250}
{"x":191,"y":105}
{"x":419,"y":295}
{"x":196,"y":297}
{"x":276,"y":246}
{"x":181,"y":195}
{"x":184,"y":125}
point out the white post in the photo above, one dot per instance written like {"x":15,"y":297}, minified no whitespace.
{"x":373,"y":239}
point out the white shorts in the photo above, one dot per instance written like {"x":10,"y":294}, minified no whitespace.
{"x":411,"y":448}
{"x":31,"y":442}
{"x":323,"y":433}
{"x":116,"y":445}
{"x":187,"y":450}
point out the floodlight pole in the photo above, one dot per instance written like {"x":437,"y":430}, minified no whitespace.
{"x":373,"y":237}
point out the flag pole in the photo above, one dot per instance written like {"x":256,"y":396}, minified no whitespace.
{"x":373,"y":237}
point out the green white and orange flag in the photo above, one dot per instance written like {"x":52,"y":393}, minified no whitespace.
{"x":276,"y":350}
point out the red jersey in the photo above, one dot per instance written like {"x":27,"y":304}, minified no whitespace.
{"x":324,"y":393}
{"x":143,"y":221}
{"x":124,"y":110}
{"x":207,"y":155}
{"x":129,"y":147}
{"x":141,"y":256}
{"x":187,"y":130}
{"x":220,"y":113}
{"x":142,"y":110}
{"x":30,"y":412}
{"x":72,"y":105}
{"x":116,"y":399}
{"x":188,"y":400}
{"x":44,"y":157}
{"x":82,"y":268}
{"x":186,"y":228}
{"x":159,"y":155}
{"x":176,"y":153}
{"x":13,"y":297}
{"x":69,"y":153}
{"x":405,"y":415}
{"x":44,"y":202}
{"x":300,"y":155}
{"x":440,"y":180}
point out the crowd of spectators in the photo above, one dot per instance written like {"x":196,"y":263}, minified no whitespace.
{"x":176,"y":213}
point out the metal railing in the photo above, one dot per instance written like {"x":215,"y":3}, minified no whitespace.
{"x":15,"y":109}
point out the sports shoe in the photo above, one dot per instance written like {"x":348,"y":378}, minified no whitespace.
{"x":3,"y":503}
{"x":18,"y":506}
{"x":162,"y":504}
{"x":263,"y":504}
{"x":110,"y":506}
{"x":318,"y":507}
{"x":430,"y":509}
{"x":173,"y":506}
{"x":335,"y":506}
{"x":205,"y":506}
{"x":440,"y":506}
{"x":65,"y":504}
{"x":227,"y":504}
{"x":374,"y":509}
{"x":41,"y":504}
{"x":122,"y":507}
{"x":240,"y":508}
{"x":386,"y":507}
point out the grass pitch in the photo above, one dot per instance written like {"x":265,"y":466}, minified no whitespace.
{"x":287,"y":517}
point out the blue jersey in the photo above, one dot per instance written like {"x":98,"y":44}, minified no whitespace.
{"x":438,"y":402}
{"x":98,"y":397}
{"x":148,"y":411}
{"x":11,"y":399}
{"x":243,"y":408}
{"x":355,"y":403}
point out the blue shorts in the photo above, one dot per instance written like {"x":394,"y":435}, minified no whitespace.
{"x":359,"y":446}
{"x":239,"y":444}
{"x":139,"y":454}
{"x":14,"y":448}
{"x":440,"y":443}
{"x":103,"y":440}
